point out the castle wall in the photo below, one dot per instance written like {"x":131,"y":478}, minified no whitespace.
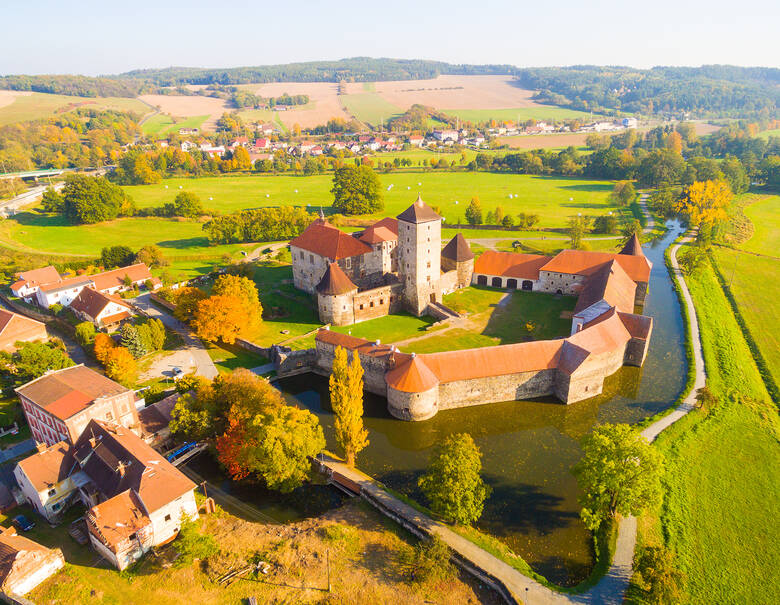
{"x":308,"y":268}
{"x":412,"y":406}
{"x":588,"y":380}
{"x":377,"y":302}
{"x":567,"y":283}
{"x":464,"y":270}
{"x":507,"y":387}
{"x":641,"y":293}
{"x":449,"y":282}
{"x":636,"y":351}
{"x":374,"y":368}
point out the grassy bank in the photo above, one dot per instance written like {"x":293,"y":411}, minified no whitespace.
{"x":722,"y":482}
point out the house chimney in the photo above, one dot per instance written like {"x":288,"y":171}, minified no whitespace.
{"x":92,"y":442}
{"x":121,"y":469}
{"x":41,"y":447}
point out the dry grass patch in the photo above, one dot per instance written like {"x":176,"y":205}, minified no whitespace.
{"x":186,"y":106}
{"x":323,"y":105}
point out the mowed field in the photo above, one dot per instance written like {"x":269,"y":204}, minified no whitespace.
{"x":545,"y":141}
{"x":183,"y":106}
{"x":554,"y":199}
{"x":18,"y":106}
{"x":323,"y":102}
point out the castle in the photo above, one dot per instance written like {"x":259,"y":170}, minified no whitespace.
{"x":400,"y":264}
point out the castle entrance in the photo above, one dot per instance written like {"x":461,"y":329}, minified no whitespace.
{"x":511,"y":283}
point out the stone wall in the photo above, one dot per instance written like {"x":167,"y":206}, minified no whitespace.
{"x":289,"y":362}
{"x":588,"y":380}
{"x":336,"y":310}
{"x":641,"y":293}
{"x":377,"y":302}
{"x":412,"y":406}
{"x":374,"y":368}
{"x":253,"y":348}
{"x":449,"y":281}
{"x":636,"y":351}
{"x":507,"y":387}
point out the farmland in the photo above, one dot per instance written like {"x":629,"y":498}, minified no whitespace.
{"x":23,"y":106}
{"x":518,"y":114}
{"x":161,"y":124}
{"x":189,"y":107}
{"x":554,"y":199}
{"x":323,"y":103}
{"x":370,"y":107}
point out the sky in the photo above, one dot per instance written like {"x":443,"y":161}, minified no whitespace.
{"x":92,"y":38}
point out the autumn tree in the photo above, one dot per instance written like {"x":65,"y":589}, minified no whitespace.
{"x":578,"y":226}
{"x":219,"y":317}
{"x":619,"y":472}
{"x":658,"y":575}
{"x":674,"y":142}
{"x":623,"y":193}
{"x":346,"y":397}
{"x":102,"y":345}
{"x":151,"y":255}
{"x":121,"y":366}
{"x":452,"y":483}
{"x":474,"y":212}
{"x":705,"y":202}
{"x":187,"y":300}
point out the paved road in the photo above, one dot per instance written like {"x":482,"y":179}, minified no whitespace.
{"x":192,"y":355}
{"x":9,"y":207}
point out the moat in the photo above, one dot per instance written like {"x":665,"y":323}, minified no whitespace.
{"x":528,"y":446}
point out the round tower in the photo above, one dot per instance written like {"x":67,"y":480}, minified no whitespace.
{"x":335,"y":295}
{"x":412,"y":390}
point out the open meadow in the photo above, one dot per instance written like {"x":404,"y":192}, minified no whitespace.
{"x":182,"y":106}
{"x":323,"y":104}
{"x":16,"y":106}
{"x":553,"y":198}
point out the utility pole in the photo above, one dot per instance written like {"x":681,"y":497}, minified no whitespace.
{"x":327,"y":562}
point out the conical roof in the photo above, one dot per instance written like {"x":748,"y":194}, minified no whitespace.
{"x":457,"y":249}
{"x":633,"y":247}
{"x":419,"y":212}
{"x":412,"y":376}
{"x":335,"y":282}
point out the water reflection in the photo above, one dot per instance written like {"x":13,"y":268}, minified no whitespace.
{"x":528,"y":446}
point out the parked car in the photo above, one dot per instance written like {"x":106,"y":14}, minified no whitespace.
{"x":178,"y":373}
{"x":22,"y":523}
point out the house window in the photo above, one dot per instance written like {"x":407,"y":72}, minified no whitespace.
{"x":302,"y":254}
{"x":348,"y":263}
{"x":133,"y":536}
{"x":371,"y":304}
{"x":361,"y":307}
{"x":167,"y":518}
{"x":381,"y":301}
{"x":52,"y":492}
{"x":311,"y":258}
{"x":109,"y":416}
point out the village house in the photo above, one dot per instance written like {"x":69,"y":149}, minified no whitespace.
{"x":135,"y":499}
{"x":416,"y":140}
{"x":239,"y":142}
{"x":18,"y":328}
{"x":261,"y":145}
{"x":188,"y":131}
{"x":63,"y":290}
{"x":24,"y":564}
{"x":103,"y":310}
{"x":445,"y":135}
{"x":59,"y":404}
{"x":187,"y":146}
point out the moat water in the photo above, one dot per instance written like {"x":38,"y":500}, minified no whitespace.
{"x":528,"y":447}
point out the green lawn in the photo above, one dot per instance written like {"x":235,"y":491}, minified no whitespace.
{"x":161,"y":124}
{"x":521,"y":114}
{"x":388,"y":329}
{"x":554,"y":199}
{"x":754,"y":284}
{"x":53,"y":234}
{"x":722,"y":481}
{"x":451,"y":340}
{"x":765,"y":216}
{"x":230,"y":357}
{"x":41,"y":105}
{"x":370,"y":107}
{"x":474,"y":299}
{"x":769,"y":133}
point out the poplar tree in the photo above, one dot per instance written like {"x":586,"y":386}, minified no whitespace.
{"x":346,"y":397}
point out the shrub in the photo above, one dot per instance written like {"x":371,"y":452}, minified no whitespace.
{"x":429,"y":560}
{"x":85,"y":333}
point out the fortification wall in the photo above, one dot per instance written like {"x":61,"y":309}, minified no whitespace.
{"x":449,"y":281}
{"x":374,"y":368}
{"x":412,"y":406}
{"x":336,"y":310}
{"x":588,"y":380}
{"x":491,"y":389}
{"x":377,"y":302}
{"x":636,"y":351}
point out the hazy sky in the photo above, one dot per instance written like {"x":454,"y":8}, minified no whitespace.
{"x":90,"y":37}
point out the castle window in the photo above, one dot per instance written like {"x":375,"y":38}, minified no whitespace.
{"x":348,"y":263}
{"x":429,"y":278}
{"x":344,"y":308}
{"x":371,"y":304}
{"x":311,"y":258}
{"x":381,"y":301}
{"x":361,"y":307}
{"x":429,"y":264}
{"x":302,"y":254}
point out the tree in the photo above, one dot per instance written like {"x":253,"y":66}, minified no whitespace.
{"x":630,"y":229}
{"x":474,"y":212}
{"x":275,"y":445}
{"x":94,"y":199}
{"x":220,"y":317}
{"x":131,"y":340}
{"x":241,"y":159}
{"x":577,"y":228}
{"x":116,"y":256}
{"x":429,"y":560}
{"x":623,"y":193}
{"x":52,"y":201}
{"x":356,"y":190}
{"x":659,"y":575}
{"x":662,"y":200}
{"x":692,"y":259}
{"x":121,"y":366}
{"x":607,"y":224}
{"x":706,"y":400}
{"x":151,"y":255}
{"x":33,"y":359}
{"x":191,"y":544}
{"x":619,"y":472}
{"x":102,"y":346}
{"x":187,"y":299}
{"x":85,"y":332}
{"x":705,"y":202}
{"x":660,"y":167}
{"x":346,"y":397}
{"x":452,"y":483}
{"x":187,"y":204}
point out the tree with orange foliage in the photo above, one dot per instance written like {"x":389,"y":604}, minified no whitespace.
{"x":220,"y":317}
{"x":705,"y":202}
{"x":121,"y":366}
{"x":102,"y":345}
{"x":674,"y":142}
{"x":187,"y":300}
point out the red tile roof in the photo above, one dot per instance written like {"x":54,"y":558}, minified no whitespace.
{"x":633,"y":246}
{"x":47,"y":468}
{"x":389,"y":222}
{"x":111,"y":279}
{"x":118,"y":518}
{"x":38,"y":276}
{"x":584,"y":262}
{"x":328,"y":241}
{"x":335,"y":282}
{"x":510,"y":264}
{"x":611,"y":284}
{"x":377,"y":235}
{"x":458,"y":249}
{"x":412,"y":376}
{"x":92,"y":303}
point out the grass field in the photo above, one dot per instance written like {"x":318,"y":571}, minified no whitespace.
{"x":40,"y":105}
{"x":554,"y":199}
{"x":769,"y":133}
{"x":369,"y":107}
{"x":722,"y":481}
{"x":765,"y":216}
{"x":519,"y":114}
{"x":161,"y":124}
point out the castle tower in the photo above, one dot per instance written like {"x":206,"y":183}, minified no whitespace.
{"x":457,"y":256}
{"x":419,"y":256}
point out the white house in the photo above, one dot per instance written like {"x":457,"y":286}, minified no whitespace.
{"x":101,"y":309}
{"x":136,"y":499}
{"x":444,"y":135}
{"x":24,"y":564}
{"x":28,"y":282}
